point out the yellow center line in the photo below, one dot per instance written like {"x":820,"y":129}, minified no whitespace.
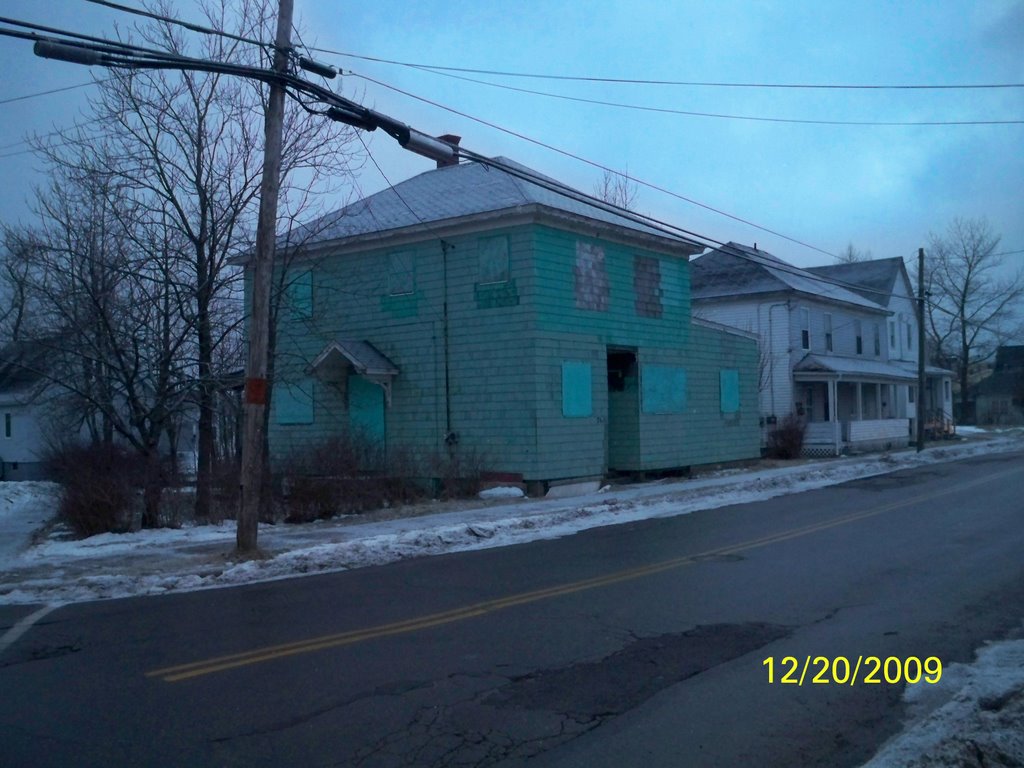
{"x":258,"y":655}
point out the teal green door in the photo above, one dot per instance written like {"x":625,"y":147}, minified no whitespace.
{"x":366,"y":409}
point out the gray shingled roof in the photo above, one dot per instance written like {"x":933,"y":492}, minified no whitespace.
{"x":876,"y":279}
{"x":452,"y":193}
{"x":739,"y":270}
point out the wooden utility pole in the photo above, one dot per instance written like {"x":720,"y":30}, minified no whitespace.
{"x":259,"y":315}
{"x":920,"y":349}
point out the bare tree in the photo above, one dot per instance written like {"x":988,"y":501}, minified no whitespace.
{"x":850,"y":254}
{"x":187,"y":146}
{"x":971,"y":296}
{"x":110,"y":283}
{"x":617,"y":189}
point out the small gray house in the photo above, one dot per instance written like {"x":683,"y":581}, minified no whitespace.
{"x":475,"y":309}
{"x":999,"y":398}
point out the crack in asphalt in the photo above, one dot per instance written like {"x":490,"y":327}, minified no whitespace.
{"x":532,"y":713}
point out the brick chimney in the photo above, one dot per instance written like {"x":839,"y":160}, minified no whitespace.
{"x":454,"y":141}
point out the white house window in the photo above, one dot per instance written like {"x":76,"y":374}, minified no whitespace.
{"x":859,"y":333}
{"x":7,"y":425}
{"x":910,"y":394}
{"x":892,"y":335}
{"x":910,"y":335}
{"x":805,"y":328}
{"x":828,"y":331}
{"x":878,"y":340}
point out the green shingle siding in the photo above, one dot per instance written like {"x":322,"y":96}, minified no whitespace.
{"x":508,"y":343}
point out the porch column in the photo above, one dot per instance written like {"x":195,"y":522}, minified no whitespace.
{"x":860,"y":402}
{"x":833,"y":412}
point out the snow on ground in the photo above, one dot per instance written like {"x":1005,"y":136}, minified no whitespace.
{"x":973,"y":717}
{"x":199,"y":557}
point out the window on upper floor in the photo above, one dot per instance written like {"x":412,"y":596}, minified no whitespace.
{"x":859,"y":334}
{"x":910,"y":335}
{"x":892,"y":335}
{"x":878,"y":340}
{"x":401,"y":273}
{"x":8,"y":425}
{"x":299,"y":294}
{"x":493,"y":258}
{"x":828,"y":331}
{"x":805,"y":328}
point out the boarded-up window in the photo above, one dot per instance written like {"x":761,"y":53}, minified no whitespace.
{"x":663,"y":389}
{"x":493,"y":252}
{"x":591,"y":277}
{"x":299,"y":293}
{"x":293,"y":402}
{"x":401,"y":273}
{"x":647,"y":285}
{"x":729,"y":390}
{"x":577,"y":397}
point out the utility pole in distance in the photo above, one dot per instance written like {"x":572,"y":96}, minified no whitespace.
{"x":920,"y":349}
{"x":253,"y":444}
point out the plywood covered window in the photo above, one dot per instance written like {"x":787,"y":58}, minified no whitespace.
{"x":493,"y":256}
{"x":577,"y":389}
{"x":590,"y":277}
{"x":293,"y":402}
{"x":729,"y":390}
{"x":663,"y":389}
{"x":401,"y":273}
{"x":647,"y":285}
{"x":299,"y":293}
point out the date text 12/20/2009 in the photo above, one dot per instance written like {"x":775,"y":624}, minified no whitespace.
{"x":840,"y":670}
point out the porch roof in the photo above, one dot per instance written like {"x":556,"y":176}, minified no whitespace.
{"x":814,"y":367}
{"x":362,"y":356}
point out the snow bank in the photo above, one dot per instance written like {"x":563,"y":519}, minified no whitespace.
{"x":973,"y":717}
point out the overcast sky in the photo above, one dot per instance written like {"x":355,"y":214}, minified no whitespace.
{"x":882,"y":188}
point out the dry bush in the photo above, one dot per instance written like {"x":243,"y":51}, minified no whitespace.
{"x":787,"y":440}
{"x":99,"y":492}
{"x":346,"y":475}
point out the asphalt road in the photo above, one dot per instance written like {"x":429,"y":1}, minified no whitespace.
{"x":641,"y":644}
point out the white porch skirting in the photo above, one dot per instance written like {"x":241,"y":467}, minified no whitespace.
{"x":877,"y":429}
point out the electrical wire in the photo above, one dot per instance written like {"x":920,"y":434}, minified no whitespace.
{"x":178,"y":22}
{"x":716,"y":115}
{"x":599,"y":166}
{"x":693,"y":83}
{"x":51,"y":91}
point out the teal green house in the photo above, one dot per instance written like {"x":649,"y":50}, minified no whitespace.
{"x":474,"y":309}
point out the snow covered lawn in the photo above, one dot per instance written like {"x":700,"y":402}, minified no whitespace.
{"x":200,"y":557}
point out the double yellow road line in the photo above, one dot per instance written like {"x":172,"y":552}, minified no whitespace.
{"x":268,"y":653}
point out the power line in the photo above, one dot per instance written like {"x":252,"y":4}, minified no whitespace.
{"x":178,"y":22}
{"x":715,"y":115}
{"x":50,"y":92}
{"x":599,"y":166}
{"x":694,"y":83}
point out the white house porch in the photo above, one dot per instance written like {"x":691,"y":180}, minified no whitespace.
{"x":852,"y":405}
